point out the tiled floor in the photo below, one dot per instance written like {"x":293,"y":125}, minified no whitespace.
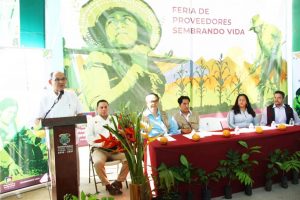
{"x":278,"y":193}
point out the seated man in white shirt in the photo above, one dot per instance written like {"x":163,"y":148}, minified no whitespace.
{"x":279,"y":112}
{"x":99,"y":155}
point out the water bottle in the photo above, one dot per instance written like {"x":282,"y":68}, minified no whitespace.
{"x":273,"y":124}
{"x":251,"y":126}
{"x":237,"y":130}
{"x":292,"y":122}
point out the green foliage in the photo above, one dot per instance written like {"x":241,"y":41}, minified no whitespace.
{"x":282,"y":160}
{"x":169,"y":177}
{"x":228,"y":167}
{"x":70,"y":197}
{"x":291,"y":165}
{"x":292,"y":162}
{"x":84,"y":196}
{"x":166,"y":178}
{"x":184,"y":172}
{"x":296,"y":155}
{"x":282,"y":156}
{"x":243,"y":172}
{"x":204,"y":178}
{"x":134,"y":150}
{"x":238,"y":165}
{"x":244,"y":177}
{"x":272,"y":165}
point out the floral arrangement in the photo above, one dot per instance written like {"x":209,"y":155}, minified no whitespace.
{"x":129,"y":135}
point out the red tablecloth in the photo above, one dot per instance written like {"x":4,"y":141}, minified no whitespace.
{"x":207,"y":152}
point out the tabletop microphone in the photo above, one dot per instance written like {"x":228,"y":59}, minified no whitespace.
{"x":55,"y":102}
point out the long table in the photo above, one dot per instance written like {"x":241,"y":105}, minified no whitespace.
{"x":207,"y":152}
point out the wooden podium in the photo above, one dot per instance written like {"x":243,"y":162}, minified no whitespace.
{"x":63,"y":155}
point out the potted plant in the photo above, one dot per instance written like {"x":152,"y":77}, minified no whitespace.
{"x":243,"y":172}
{"x":84,"y":196}
{"x":184,"y":174}
{"x":204,"y":178}
{"x":295,"y":172}
{"x":293,"y":164}
{"x":282,"y":157}
{"x":228,"y":169}
{"x":166,"y":183}
{"x":272,"y":168}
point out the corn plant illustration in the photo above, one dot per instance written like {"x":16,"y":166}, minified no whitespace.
{"x":220,"y":76}
{"x":237,"y":83}
{"x":180,"y":77}
{"x":202,"y":72}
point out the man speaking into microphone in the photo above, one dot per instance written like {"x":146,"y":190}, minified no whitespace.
{"x":58,"y":102}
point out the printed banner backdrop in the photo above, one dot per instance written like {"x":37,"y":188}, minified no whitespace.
{"x":296,"y":57}
{"x":23,"y":154}
{"x":210,"y":50}
{"x":296,"y":82}
{"x":9,"y":21}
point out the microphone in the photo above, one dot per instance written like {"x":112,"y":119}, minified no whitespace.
{"x":60,"y":94}
{"x":55,"y":102}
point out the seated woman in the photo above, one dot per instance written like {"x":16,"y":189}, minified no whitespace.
{"x":241,"y":114}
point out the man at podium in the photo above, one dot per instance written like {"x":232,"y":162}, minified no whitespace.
{"x":58,"y":102}
{"x":57,"y":111}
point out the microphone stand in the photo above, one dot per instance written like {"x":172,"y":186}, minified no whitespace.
{"x":55,"y":102}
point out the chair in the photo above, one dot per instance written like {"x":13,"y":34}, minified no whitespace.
{"x":112,"y":163}
{"x":258,"y":117}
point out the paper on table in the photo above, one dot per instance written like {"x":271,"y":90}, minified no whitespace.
{"x":202,"y":134}
{"x":209,"y":133}
{"x":246,"y":130}
{"x":170,"y":139}
{"x":272,"y":128}
{"x":190,"y":135}
{"x":267,"y":127}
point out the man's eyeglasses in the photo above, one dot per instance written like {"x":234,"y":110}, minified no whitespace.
{"x":154,"y":101}
{"x":60,"y":79}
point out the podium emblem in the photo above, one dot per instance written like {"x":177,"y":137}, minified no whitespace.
{"x":64,"y":138}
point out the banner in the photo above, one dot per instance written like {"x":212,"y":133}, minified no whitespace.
{"x":23,"y":153}
{"x":9,"y":23}
{"x":296,"y":82}
{"x":296,"y":57}
{"x":210,"y":50}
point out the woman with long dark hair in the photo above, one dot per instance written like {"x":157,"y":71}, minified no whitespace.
{"x":241,"y":114}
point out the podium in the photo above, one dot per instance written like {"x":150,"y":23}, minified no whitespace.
{"x":63,"y":155}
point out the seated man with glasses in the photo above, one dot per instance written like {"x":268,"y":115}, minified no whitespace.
{"x":160,"y":121}
{"x":57,"y":102}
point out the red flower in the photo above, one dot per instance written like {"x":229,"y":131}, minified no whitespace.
{"x":129,"y":131}
{"x":130,"y":134}
{"x":109,"y":142}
